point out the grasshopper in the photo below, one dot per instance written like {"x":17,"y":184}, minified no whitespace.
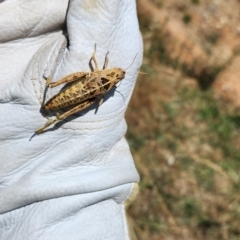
{"x":85,"y":89}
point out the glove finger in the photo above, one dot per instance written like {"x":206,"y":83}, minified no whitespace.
{"x":27,"y":18}
{"x":113,"y":26}
{"x":90,"y":22}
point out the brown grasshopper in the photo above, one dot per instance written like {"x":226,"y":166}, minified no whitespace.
{"x":86,"y":89}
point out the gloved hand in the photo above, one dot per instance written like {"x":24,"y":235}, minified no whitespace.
{"x":70,"y":182}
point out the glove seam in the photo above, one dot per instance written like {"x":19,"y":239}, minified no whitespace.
{"x":35,"y":67}
{"x":87,"y":129}
{"x":133,"y":193}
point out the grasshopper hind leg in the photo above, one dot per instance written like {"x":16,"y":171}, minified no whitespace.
{"x":49,"y":123}
{"x":72,"y":111}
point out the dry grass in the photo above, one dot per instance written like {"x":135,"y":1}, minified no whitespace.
{"x":186,"y":148}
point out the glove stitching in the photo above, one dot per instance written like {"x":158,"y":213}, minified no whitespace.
{"x":132,"y":195}
{"x":100,"y":120}
{"x":53,"y":55}
{"x":56,"y":57}
{"x":67,"y":128}
{"x":41,"y":91}
{"x":33,"y":84}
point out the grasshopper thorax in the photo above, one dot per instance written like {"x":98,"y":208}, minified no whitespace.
{"x":110,"y":77}
{"x":116,"y":75}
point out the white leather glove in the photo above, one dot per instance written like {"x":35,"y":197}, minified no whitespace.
{"x":70,"y":182}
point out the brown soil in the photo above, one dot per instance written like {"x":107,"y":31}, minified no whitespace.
{"x":184,"y":121}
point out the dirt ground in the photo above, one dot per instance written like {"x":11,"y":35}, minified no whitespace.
{"x":184,"y":121}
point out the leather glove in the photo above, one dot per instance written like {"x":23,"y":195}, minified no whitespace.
{"x":70,"y":182}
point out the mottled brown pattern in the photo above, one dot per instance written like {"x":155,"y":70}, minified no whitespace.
{"x":85,"y":89}
{"x":97,"y":84}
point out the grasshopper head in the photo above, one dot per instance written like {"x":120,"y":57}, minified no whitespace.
{"x":115,"y":75}
{"x":112,"y":77}
{"x":119,"y":74}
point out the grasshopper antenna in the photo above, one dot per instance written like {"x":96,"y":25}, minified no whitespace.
{"x":131,"y":63}
{"x":142,"y":73}
{"x":138,"y":72}
{"x":121,"y":95}
{"x":130,"y":66}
